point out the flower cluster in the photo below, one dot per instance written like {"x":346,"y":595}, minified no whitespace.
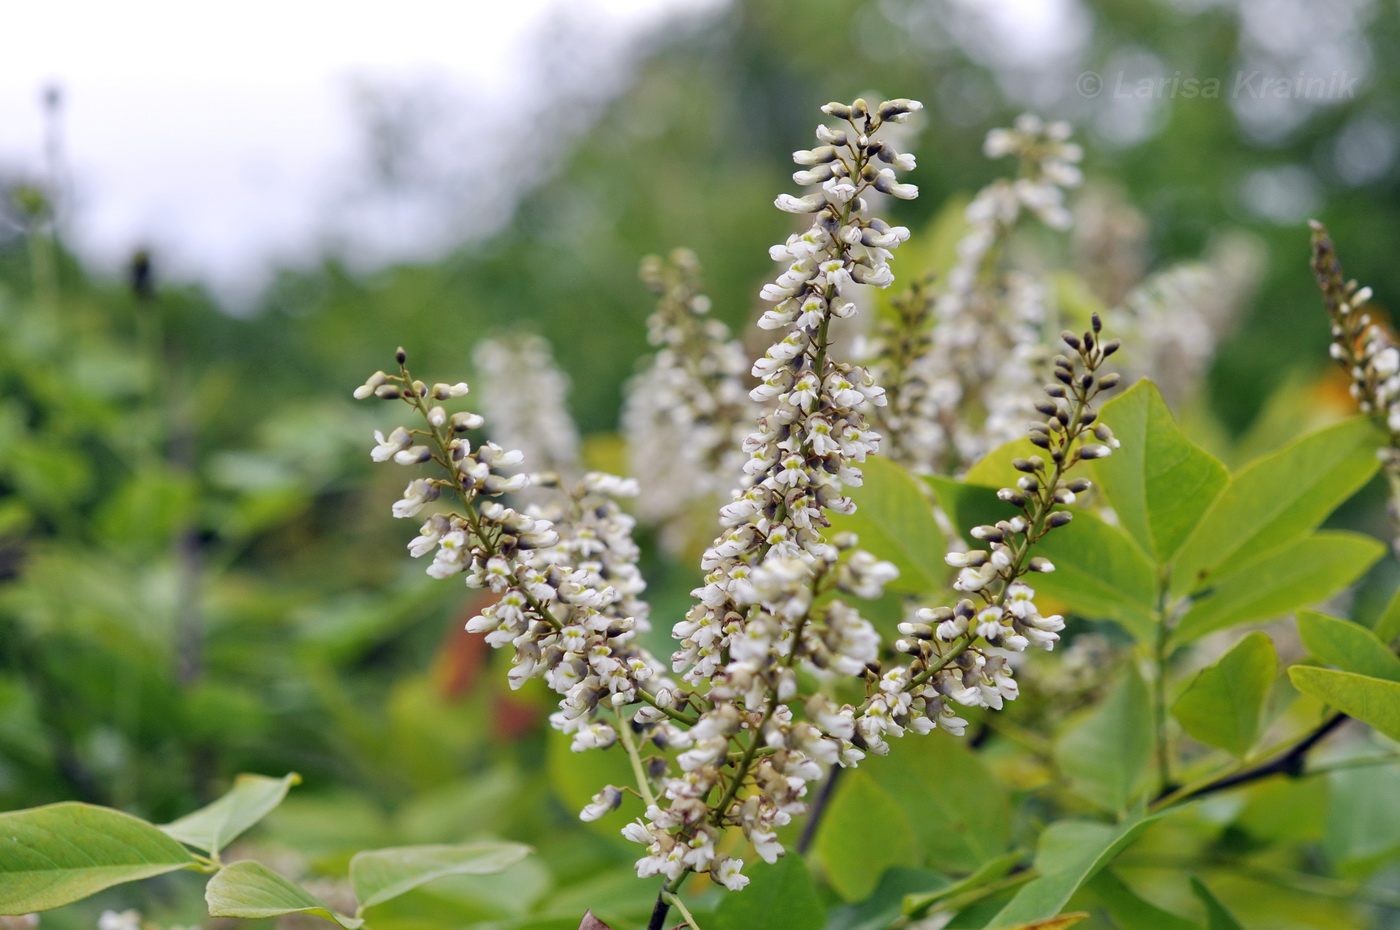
{"x":1368,"y":351}
{"x":523,"y":395}
{"x":687,"y":412}
{"x":963,"y":394}
{"x":752,"y":720}
{"x":755,"y":618}
{"x":961,"y":654}
{"x":566,"y":580}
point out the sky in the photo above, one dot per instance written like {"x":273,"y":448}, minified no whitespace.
{"x":226,"y":137}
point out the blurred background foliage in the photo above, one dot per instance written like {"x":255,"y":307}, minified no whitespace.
{"x":198,"y":573}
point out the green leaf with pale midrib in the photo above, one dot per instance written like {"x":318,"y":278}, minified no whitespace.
{"x":1280,"y":581}
{"x":1349,"y":646}
{"x":1276,"y":499}
{"x":1158,"y":481}
{"x":53,"y":855}
{"x":1373,"y":701}
{"x":1069,"y":854}
{"x":252,"y":797}
{"x":382,"y":874}
{"x":251,"y":890}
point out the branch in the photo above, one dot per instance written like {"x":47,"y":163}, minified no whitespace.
{"x":1290,"y":763}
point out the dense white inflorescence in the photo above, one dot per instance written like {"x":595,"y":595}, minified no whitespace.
{"x":738,"y":737}
{"x":524,"y":396}
{"x":987,"y":331}
{"x":686,"y":413}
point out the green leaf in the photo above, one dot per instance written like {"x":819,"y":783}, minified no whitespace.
{"x":1277,"y":582}
{"x":1224,"y":704}
{"x":1104,"y":753}
{"x":884,"y":907}
{"x":961,"y":810}
{"x":969,"y":505}
{"x":1388,"y":626}
{"x":1126,"y":907}
{"x":1217,"y":917}
{"x":1363,"y":814}
{"x":916,"y":905}
{"x":50,"y":856}
{"x":1371,"y":700}
{"x":1349,"y":646}
{"x":1099,"y":570}
{"x":995,"y":469}
{"x":894,"y":520}
{"x":1070,"y":853}
{"x":381,"y":874}
{"x":252,"y":797}
{"x":856,"y":856}
{"x":251,"y":890}
{"x":1277,"y":499}
{"x":1158,"y":481}
{"x":778,"y":895}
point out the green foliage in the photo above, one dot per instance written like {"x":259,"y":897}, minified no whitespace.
{"x":252,"y":890}
{"x":251,"y":799}
{"x":894,"y":519}
{"x":1128,"y":909}
{"x":1160,"y":482}
{"x":1104,"y":754}
{"x":781,"y":895}
{"x":1217,"y":917}
{"x":1070,"y":853}
{"x":1272,"y":584}
{"x":1349,"y":646}
{"x":856,"y":856}
{"x":961,"y":812}
{"x":52,"y":855}
{"x":1223,"y":706}
{"x":1274,"y":502}
{"x":381,"y":874}
{"x":1374,"y":701}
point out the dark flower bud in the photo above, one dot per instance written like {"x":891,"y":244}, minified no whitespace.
{"x":1059,"y":518}
{"x":400,"y":356}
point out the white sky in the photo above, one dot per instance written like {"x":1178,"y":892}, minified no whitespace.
{"x":218,"y":134}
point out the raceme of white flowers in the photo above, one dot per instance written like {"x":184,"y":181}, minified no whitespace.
{"x":523,"y":394}
{"x":741,"y":734}
{"x":1370,"y":354}
{"x":962,"y":395}
{"x":686,"y":413}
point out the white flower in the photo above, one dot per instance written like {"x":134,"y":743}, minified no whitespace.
{"x":727,"y":872}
